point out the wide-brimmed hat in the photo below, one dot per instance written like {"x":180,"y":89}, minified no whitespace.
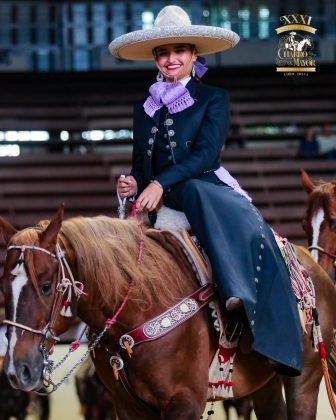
{"x":172,"y":25}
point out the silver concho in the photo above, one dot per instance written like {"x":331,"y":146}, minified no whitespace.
{"x":151,"y":141}
{"x":117,"y":362}
{"x":169,"y":121}
{"x":154,"y":130}
{"x":127,"y":338}
{"x":171,"y":133}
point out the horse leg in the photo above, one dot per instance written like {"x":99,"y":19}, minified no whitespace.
{"x":301,"y":396}
{"x":182,"y":406}
{"x":268,"y":401}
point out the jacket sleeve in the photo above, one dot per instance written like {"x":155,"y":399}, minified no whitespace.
{"x":137,"y":158}
{"x":206,"y":146}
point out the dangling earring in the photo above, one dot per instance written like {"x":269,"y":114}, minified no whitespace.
{"x":159,"y":77}
{"x":193,"y":71}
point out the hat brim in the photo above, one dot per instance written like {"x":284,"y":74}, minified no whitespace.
{"x":139,"y":45}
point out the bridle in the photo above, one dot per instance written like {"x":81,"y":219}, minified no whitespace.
{"x":64,"y":285}
{"x":327,"y":253}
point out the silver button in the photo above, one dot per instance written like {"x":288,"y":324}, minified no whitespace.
{"x":165,"y":135}
{"x":263,"y":236}
{"x":150,"y":141}
{"x":252,"y":322}
{"x":254,"y":312}
{"x":167,"y":146}
{"x":154,"y":130}
{"x":260,"y":257}
{"x":149,"y":152}
{"x":258,"y":268}
{"x":169,"y":121}
{"x":173,"y":143}
{"x":262,"y":246}
{"x":171,"y":133}
{"x":170,"y":158}
{"x":256,"y":279}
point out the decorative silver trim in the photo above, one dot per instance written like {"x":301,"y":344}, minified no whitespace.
{"x":168,"y":320}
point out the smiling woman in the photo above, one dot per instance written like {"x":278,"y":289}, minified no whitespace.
{"x":179,"y":131}
{"x":175,"y":61}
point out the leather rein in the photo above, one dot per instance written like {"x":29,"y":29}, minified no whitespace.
{"x":327,"y":253}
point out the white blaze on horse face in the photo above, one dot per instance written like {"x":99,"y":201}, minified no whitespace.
{"x":316,"y":222}
{"x":17,"y":285}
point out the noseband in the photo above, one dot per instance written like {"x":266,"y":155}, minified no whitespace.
{"x":328,"y":254}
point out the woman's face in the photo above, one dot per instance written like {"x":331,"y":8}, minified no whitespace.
{"x":175,"y":61}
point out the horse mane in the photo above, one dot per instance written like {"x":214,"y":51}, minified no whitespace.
{"x":107,"y":251}
{"x":321,"y":197}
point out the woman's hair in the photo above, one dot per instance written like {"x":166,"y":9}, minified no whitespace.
{"x":192,"y":47}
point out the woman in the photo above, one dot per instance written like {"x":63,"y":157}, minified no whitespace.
{"x":179,"y":131}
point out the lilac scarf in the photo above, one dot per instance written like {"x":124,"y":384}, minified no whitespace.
{"x":175,"y":96}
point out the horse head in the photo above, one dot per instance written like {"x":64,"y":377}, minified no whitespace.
{"x":320,"y":221}
{"x":30,"y":285}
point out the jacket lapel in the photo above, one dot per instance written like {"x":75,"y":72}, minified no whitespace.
{"x":156,"y":117}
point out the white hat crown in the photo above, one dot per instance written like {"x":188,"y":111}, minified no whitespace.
{"x":172,"y":16}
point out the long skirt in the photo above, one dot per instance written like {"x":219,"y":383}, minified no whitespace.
{"x":246,"y":263}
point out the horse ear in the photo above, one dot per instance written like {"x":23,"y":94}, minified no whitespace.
{"x":48,"y":238}
{"x":6,"y":231}
{"x":306,"y":181}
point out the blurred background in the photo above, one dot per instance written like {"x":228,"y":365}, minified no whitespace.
{"x":66,"y":106}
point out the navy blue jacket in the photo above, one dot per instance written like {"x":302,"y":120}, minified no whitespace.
{"x":194,"y":138}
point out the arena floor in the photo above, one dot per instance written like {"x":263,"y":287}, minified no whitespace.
{"x":64,"y":402}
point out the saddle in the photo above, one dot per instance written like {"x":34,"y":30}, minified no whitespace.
{"x":172,"y":231}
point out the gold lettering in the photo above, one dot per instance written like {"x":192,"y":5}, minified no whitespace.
{"x":295,"y":20}
{"x":281,"y":51}
{"x":303,"y":63}
{"x":285,"y":18}
{"x":290,"y":19}
{"x":303,"y":20}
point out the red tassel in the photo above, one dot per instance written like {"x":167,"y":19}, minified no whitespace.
{"x":74,"y":346}
{"x":323,"y":353}
{"x":134,"y":211}
{"x":66,"y":303}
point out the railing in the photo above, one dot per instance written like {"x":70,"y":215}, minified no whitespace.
{"x":73,"y":35}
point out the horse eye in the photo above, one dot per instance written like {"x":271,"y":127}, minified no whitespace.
{"x":333,"y":224}
{"x":45,"y":289}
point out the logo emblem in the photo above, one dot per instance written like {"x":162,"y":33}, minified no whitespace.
{"x":295,"y":55}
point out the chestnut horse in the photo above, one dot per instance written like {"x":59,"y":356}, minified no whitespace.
{"x":320,"y":222}
{"x":169,"y":375}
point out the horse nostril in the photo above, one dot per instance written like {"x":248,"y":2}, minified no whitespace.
{"x":25,"y":375}
{"x":13,"y":380}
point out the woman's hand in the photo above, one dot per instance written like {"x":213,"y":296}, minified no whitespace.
{"x":127,"y":186}
{"x":150,"y":197}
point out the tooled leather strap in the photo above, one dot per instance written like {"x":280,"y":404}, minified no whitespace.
{"x":172,"y":318}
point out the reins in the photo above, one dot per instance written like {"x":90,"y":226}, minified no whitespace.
{"x":327,"y":253}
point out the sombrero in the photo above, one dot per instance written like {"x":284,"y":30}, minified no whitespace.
{"x":172,"y":25}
